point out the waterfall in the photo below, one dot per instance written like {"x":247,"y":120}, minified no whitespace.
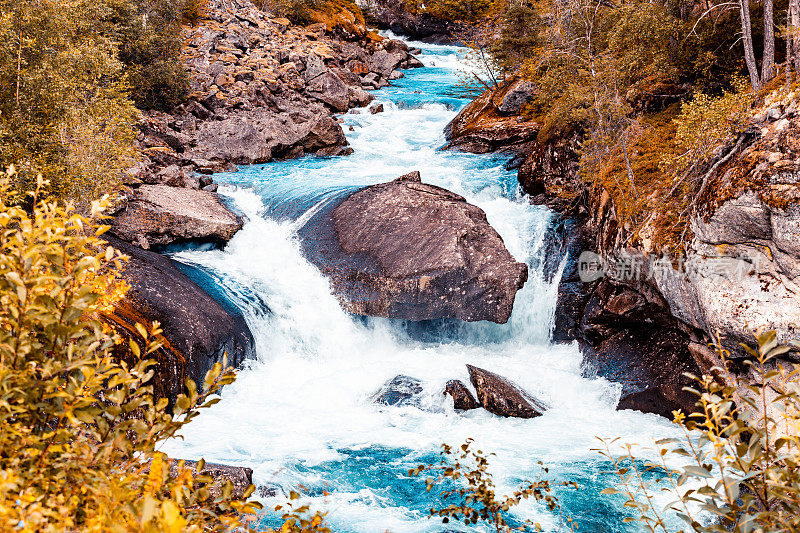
{"x":301,"y":414}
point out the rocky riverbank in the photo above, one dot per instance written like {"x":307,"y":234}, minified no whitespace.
{"x":648,"y":321}
{"x":262,"y":89}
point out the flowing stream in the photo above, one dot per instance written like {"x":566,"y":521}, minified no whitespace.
{"x":301,"y":414}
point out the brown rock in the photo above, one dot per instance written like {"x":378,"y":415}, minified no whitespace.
{"x":497,"y":395}
{"x":158,"y":214}
{"x":481,"y":127}
{"x":416,"y":251}
{"x":462,"y":397}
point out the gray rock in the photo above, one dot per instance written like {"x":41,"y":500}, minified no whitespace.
{"x":400,"y":390}
{"x":376,"y":108}
{"x":158,"y":214}
{"x":497,"y":395}
{"x":358,"y":96}
{"x":517,"y":96}
{"x":328,"y":88}
{"x":409,"y":250}
{"x":258,"y":135}
{"x":383,"y":62}
{"x":744,"y":219}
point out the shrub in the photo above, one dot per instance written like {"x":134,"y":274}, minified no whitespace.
{"x":80,"y":430}
{"x":194,"y":10}
{"x":742,"y":450}
{"x":475,"y":498}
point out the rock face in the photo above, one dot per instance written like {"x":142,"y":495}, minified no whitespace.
{"x":400,"y":390}
{"x":497,"y":395}
{"x":393,"y":15}
{"x":263,"y":89}
{"x":491,"y":121}
{"x":415,"y":251}
{"x":199,"y":330}
{"x":742,"y":275}
{"x":158,"y":214}
{"x":462,"y":397}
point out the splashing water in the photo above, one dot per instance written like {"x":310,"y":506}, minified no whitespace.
{"x":301,"y":415}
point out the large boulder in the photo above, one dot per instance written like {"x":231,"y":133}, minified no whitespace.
{"x":199,"y":330}
{"x":499,"y":396}
{"x":159,"y":214}
{"x":405,"y":249}
{"x":258,"y":135}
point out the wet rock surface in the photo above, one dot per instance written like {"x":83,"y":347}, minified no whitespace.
{"x":405,"y":249}
{"x":199,"y":331}
{"x":499,"y":396}
{"x":159,"y":214}
{"x":400,"y":390}
{"x":463,"y":399}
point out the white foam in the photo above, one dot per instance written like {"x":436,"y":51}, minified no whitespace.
{"x":305,"y":403}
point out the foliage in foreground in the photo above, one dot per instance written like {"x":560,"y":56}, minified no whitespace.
{"x":80,"y":431}
{"x":71,"y":75}
{"x":741,"y":449}
{"x":474,"y":497}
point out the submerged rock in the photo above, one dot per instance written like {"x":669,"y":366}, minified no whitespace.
{"x":400,"y":390}
{"x":462,"y":397}
{"x":497,"y":395}
{"x":159,"y":214}
{"x":199,"y":331}
{"x":408,"y":250}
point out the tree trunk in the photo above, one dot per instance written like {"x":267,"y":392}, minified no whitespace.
{"x":794,"y":26}
{"x":768,"y":61}
{"x":789,"y":47}
{"x":747,"y":42}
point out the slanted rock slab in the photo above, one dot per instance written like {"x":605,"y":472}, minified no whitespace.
{"x":499,"y":396}
{"x":159,"y":214}
{"x":463,"y":399}
{"x":415,"y":251}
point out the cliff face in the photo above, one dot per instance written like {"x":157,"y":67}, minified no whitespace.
{"x":647,"y":318}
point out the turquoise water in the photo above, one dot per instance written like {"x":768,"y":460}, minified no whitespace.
{"x":301,"y":415}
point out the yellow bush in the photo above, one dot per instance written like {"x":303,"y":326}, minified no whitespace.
{"x":79,"y":430}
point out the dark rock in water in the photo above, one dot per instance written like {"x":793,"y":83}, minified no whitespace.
{"x":376,"y":108}
{"x":462,"y":397}
{"x":158,"y":214}
{"x":199,"y":331}
{"x":400,"y":390}
{"x":415,"y":251}
{"x":497,"y":395}
{"x":650,"y":363}
{"x":240,"y":477}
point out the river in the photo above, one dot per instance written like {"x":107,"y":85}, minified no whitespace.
{"x":301,"y":414}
